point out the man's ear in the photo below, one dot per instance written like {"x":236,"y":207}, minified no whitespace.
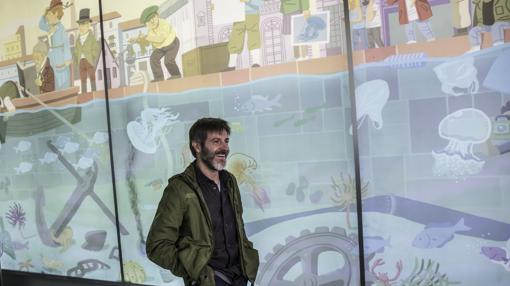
{"x":196,"y":146}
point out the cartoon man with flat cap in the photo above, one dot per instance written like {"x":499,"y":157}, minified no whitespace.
{"x":164,"y":41}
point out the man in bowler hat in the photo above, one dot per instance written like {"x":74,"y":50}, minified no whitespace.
{"x":164,"y":41}
{"x":86,"y":51}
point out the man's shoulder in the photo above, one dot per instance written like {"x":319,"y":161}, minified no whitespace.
{"x":178,"y":183}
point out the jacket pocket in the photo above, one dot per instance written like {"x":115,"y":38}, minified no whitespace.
{"x":193,"y":255}
{"x":251,"y":260}
{"x":206,"y":277}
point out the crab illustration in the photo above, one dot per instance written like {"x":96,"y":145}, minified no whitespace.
{"x":382,"y":278}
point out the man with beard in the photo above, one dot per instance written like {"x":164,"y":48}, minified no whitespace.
{"x":198,"y":230}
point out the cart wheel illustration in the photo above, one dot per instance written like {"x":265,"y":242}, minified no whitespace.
{"x":305,"y":250}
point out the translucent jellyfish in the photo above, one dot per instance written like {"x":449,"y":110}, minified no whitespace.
{"x":371,"y":97}
{"x":145,"y":131}
{"x":459,"y":74}
{"x":462,"y":129}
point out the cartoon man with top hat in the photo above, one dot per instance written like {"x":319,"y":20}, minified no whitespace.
{"x":86,"y":51}
{"x":59,"y":52}
{"x":164,"y":41}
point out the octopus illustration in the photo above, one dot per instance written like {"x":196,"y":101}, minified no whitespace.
{"x":242,"y":166}
{"x":65,"y":239}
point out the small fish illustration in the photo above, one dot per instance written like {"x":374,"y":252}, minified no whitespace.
{"x":49,"y":157}
{"x":156,"y":184}
{"x":84,"y":163}
{"x":62,"y":141}
{"x":23,"y":146}
{"x":70,"y":148}
{"x":100,"y":138}
{"x":259,"y":103}
{"x":17,"y":245}
{"x":23,"y":168}
{"x":91,"y":153}
{"x":437,"y":235}
{"x":495,"y":254}
{"x":375,"y":244}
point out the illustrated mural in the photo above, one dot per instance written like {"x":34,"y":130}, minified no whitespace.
{"x":432,"y":130}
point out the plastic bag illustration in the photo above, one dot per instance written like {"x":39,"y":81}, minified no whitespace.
{"x":460,"y":74}
{"x":145,"y":131}
{"x":371,"y":97}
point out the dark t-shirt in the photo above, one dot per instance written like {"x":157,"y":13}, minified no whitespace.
{"x":488,"y":13}
{"x":225,"y":257}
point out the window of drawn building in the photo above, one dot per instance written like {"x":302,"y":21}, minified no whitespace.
{"x":224,"y":34}
{"x":201,"y":18}
{"x":114,"y":72}
{"x":273,"y":46}
{"x":99,"y":74}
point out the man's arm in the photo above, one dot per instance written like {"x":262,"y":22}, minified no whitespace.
{"x":43,"y":24}
{"x":164,"y":232}
{"x":160,"y":34}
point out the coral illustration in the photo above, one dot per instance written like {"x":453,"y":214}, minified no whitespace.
{"x":345,"y":194}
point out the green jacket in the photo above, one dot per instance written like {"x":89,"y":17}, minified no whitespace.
{"x":90,"y":49}
{"x":292,"y":6}
{"x":181,"y":237}
{"x":501,"y":11}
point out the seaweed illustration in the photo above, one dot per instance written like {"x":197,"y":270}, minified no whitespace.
{"x":16,"y":216}
{"x":345,"y":194}
{"x":426,"y":274}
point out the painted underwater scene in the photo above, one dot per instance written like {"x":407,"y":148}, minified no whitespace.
{"x":435,"y":161}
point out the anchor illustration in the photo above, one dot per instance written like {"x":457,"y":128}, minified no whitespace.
{"x":84,"y":188}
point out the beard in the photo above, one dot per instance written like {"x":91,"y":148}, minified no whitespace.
{"x":208,"y":156}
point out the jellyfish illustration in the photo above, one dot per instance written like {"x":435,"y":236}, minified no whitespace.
{"x":462,"y":129}
{"x":371,"y":97}
{"x":459,"y":74}
{"x":145,"y":132}
{"x":314,"y":25}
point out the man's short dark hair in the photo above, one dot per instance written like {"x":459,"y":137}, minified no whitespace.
{"x":199,"y":130}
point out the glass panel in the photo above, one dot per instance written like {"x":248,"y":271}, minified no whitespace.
{"x":432,"y":113}
{"x":303,"y":100}
{"x":55,"y":180}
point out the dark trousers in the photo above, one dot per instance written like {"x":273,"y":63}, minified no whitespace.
{"x":169,"y":52}
{"x":87,"y":70}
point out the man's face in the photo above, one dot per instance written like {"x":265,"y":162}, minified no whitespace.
{"x":84,"y":28}
{"x":153,"y":22}
{"x":215,"y":150}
